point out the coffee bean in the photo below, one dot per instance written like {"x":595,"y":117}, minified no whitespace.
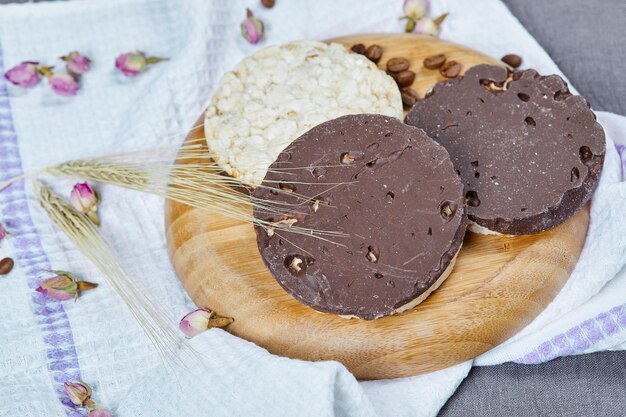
{"x":450,"y":69}
{"x":404,"y":78}
{"x":435,"y":61}
{"x":6,"y":265}
{"x":359,"y":48}
{"x":397,"y":64}
{"x":409,"y":96}
{"x":374,"y":53}
{"x":268,"y":3}
{"x":512,"y":60}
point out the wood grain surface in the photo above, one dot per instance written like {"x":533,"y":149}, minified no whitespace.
{"x":499,"y":284}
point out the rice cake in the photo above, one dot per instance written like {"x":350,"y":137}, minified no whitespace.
{"x":280,"y":92}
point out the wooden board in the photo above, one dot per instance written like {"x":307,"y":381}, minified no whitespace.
{"x":499,"y":284}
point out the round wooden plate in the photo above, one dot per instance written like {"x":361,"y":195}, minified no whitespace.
{"x":499,"y":284}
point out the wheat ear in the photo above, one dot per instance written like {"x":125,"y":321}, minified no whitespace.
{"x":90,"y":242}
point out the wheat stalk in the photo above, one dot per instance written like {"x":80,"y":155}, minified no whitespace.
{"x":90,"y":242}
{"x":193,"y":179}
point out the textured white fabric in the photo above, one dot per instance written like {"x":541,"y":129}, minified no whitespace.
{"x":112,"y":113}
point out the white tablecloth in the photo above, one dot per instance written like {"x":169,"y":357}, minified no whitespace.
{"x":43,"y":343}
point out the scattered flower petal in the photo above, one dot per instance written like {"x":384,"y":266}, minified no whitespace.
{"x":415,"y":9}
{"x":252,"y":29}
{"x":85,"y":200}
{"x":132,"y":64}
{"x":24,"y":75}
{"x":201,"y":320}
{"x":63,"y":84}
{"x":100,"y":412}
{"x":76,"y":63}
{"x":79,"y":393}
{"x":63,"y":286}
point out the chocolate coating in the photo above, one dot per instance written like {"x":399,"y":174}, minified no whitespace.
{"x":400,"y":202}
{"x":530,"y":156}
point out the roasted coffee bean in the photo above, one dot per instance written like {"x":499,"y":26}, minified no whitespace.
{"x":450,"y":69}
{"x":359,"y":48}
{"x":435,"y":61}
{"x":268,"y":3}
{"x":374,"y":53}
{"x":6,"y":265}
{"x":404,"y":78}
{"x":397,"y":64}
{"x":512,"y":60}
{"x":409,"y":96}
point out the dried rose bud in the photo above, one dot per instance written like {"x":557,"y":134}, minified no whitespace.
{"x":415,"y":9}
{"x":430,"y":27}
{"x":76,"y":63}
{"x":201,"y":320}
{"x":100,"y":412}
{"x":25,"y":74}
{"x":64,"y":286}
{"x":132,"y":64}
{"x":3,"y":232}
{"x":79,"y":393}
{"x":410,"y":25}
{"x":63,"y":84}
{"x":85,"y":200}
{"x":252,"y":29}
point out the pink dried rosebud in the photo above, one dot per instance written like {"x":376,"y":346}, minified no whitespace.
{"x":428,"y":26}
{"x":76,"y":63}
{"x":252,"y":29}
{"x":201,"y":320}
{"x":100,"y":412}
{"x":415,"y":9}
{"x":3,"y":232}
{"x":63,"y":84}
{"x":25,"y":74}
{"x":85,"y":200}
{"x":132,"y":64}
{"x":79,"y":393}
{"x":63,"y":287}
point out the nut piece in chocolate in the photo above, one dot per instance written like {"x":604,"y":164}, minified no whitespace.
{"x":529,"y":152}
{"x":399,"y":205}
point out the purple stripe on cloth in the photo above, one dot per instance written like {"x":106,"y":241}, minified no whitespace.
{"x":621,"y":150}
{"x":579,"y":338}
{"x":29,"y":254}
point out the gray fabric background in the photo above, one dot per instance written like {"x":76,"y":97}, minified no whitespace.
{"x":587,"y":39}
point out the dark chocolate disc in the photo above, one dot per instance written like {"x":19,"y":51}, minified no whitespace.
{"x":528,"y":151}
{"x":400,"y":204}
